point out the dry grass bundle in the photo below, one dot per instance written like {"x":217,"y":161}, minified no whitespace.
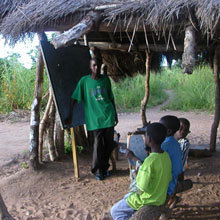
{"x":121,"y":64}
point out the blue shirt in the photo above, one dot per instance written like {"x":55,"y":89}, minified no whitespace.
{"x":172,"y":147}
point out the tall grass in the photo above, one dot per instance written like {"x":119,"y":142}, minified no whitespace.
{"x":16,"y":87}
{"x":192,"y":92}
{"x":129,"y":93}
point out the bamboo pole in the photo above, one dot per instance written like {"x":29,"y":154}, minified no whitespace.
{"x":147,"y":90}
{"x":75,"y":159}
{"x":217,"y":102}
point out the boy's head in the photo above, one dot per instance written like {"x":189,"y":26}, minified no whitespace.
{"x":95,"y":65}
{"x":184,"y":129}
{"x":155,"y":133}
{"x":172,"y":124}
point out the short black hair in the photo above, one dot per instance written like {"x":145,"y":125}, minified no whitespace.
{"x":185,"y":122}
{"x":157,"y":132}
{"x":171,"y":122}
{"x":96,"y":59}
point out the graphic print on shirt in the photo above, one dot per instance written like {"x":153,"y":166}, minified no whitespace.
{"x":98,"y":93}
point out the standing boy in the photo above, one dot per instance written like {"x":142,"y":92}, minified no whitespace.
{"x":152,"y":179}
{"x":100,"y":115}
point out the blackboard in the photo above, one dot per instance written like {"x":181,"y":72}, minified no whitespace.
{"x":65,"y":67}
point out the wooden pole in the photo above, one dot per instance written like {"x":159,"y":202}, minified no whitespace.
{"x":75,"y":159}
{"x":147,"y":91}
{"x":70,"y":36}
{"x":43,"y":124}
{"x":35,"y":111}
{"x":215,"y":124}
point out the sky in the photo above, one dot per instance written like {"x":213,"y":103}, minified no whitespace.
{"x":20,"y":48}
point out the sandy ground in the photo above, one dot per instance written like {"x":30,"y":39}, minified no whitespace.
{"x":52,"y":193}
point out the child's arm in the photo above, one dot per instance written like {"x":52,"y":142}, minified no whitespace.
{"x":130,"y":155}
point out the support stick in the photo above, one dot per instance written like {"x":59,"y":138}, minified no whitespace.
{"x":75,"y":159}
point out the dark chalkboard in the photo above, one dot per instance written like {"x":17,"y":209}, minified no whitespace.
{"x":65,"y":67}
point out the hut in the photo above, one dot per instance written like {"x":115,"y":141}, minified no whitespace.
{"x":138,"y":31}
{"x":126,"y":32}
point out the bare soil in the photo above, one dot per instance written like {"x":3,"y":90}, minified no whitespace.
{"x":52,"y":193}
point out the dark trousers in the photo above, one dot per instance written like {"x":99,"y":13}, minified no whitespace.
{"x":103,"y":145}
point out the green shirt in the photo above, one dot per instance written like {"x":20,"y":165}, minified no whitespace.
{"x":97,"y":98}
{"x":152,"y":180}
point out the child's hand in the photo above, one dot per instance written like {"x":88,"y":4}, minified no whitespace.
{"x":129,"y":154}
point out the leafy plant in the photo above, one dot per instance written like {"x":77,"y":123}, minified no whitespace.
{"x":24,"y":165}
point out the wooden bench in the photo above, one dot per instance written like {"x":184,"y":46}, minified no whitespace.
{"x":152,"y":213}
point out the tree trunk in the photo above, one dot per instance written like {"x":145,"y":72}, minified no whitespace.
{"x":4,"y":215}
{"x":59,"y":138}
{"x":35,"y":113}
{"x":147,"y":90}
{"x":70,"y":36}
{"x":217,"y":103}
{"x":50,"y":132}
{"x":43,"y":124}
{"x":188,"y":58}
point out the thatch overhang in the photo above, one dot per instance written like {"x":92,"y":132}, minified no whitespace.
{"x":121,"y":25}
{"x":160,"y":17}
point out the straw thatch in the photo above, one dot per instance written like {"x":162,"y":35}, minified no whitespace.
{"x":38,"y":16}
{"x":159,"y":16}
{"x":7,"y":6}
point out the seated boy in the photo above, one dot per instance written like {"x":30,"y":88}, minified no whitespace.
{"x":180,"y":135}
{"x":172,"y":147}
{"x":152,"y":179}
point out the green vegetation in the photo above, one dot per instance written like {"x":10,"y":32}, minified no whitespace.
{"x":24,"y":165}
{"x":129,"y":93}
{"x":192,"y":92}
{"x":17,"y":85}
{"x":68,"y":144}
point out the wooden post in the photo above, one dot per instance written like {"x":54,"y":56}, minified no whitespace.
{"x":217,"y":102}
{"x":35,"y":111}
{"x":75,"y":159}
{"x":147,"y":90}
{"x":43,"y":123}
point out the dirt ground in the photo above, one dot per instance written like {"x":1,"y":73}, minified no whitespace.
{"x":52,"y":193}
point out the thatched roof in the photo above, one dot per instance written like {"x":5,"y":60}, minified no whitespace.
{"x":7,"y":6}
{"x":159,"y":16}
{"x":132,"y":25}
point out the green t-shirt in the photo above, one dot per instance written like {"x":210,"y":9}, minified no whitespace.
{"x":152,"y":180}
{"x":97,"y":98}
